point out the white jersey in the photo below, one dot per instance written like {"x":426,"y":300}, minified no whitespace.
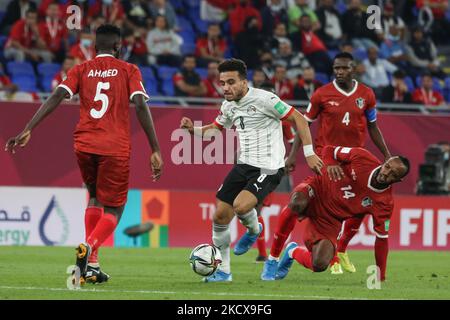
{"x":257,"y":118}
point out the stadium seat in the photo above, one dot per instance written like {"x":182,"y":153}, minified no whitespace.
{"x":201,"y":26}
{"x":19,"y":68}
{"x":151,"y":86}
{"x":360,"y":54}
{"x":332,"y":53}
{"x":322,"y":77}
{"x":177,"y":4}
{"x":409,"y":83}
{"x":184,"y":24}
{"x":48,"y":69}
{"x":446,"y":91}
{"x":193,"y":4}
{"x":188,"y":36}
{"x":25,"y":82}
{"x":203,"y":72}
{"x":166,"y":73}
{"x":46,"y":83}
{"x":147,"y":73}
{"x":188,"y":48}
{"x":168,"y":88}
{"x":249,"y":74}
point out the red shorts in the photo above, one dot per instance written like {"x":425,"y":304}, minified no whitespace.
{"x":319,"y":224}
{"x":108,"y":174}
{"x":267,"y":202}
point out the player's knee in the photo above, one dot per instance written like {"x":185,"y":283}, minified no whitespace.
{"x":319,"y":264}
{"x":241,"y":208}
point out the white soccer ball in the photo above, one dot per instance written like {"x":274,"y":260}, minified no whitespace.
{"x":205,"y":259}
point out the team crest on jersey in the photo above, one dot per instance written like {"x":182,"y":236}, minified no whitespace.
{"x":251,"y":110}
{"x":360,"y":102}
{"x":366,"y":202}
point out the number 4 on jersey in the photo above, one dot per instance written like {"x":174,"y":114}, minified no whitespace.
{"x":346,"y":119}
{"x":99,"y":96}
{"x":347,"y":194}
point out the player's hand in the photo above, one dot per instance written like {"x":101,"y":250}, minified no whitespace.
{"x":315,"y":163}
{"x":335,"y":173}
{"x":20,"y":140}
{"x":156,"y":165}
{"x":187,"y":124}
{"x":290,"y":163}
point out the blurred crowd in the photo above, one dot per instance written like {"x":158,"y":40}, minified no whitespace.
{"x":288,"y":45}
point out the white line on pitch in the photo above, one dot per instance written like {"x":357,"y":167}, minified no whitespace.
{"x":250,"y":295}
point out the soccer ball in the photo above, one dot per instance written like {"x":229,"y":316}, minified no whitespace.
{"x":205,"y":259}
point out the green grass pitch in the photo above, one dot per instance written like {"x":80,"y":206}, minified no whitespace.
{"x":39,"y":273}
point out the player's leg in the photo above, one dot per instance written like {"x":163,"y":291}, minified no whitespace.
{"x":228,"y":191}
{"x":316,"y":260}
{"x":349,"y":230}
{"x":261,"y":241}
{"x":259,"y":185}
{"x":93,"y":213}
{"x":287,"y":220}
{"x":111,"y":192}
{"x":222,"y":239}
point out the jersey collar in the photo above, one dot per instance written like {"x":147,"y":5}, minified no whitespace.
{"x":104,"y":55}
{"x":348,"y":94}
{"x":370,"y":179}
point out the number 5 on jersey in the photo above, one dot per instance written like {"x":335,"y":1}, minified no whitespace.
{"x":99,"y":96}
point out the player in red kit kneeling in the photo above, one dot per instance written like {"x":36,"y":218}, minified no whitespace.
{"x":355,"y":183}
{"x":102,"y":140}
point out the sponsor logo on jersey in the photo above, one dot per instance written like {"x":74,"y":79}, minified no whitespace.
{"x":333,"y":103}
{"x":251,"y":110}
{"x":366,"y":202}
{"x":360,"y":102}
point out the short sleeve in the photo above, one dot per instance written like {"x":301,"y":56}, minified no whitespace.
{"x":72,"y":81}
{"x":313,"y":109}
{"x":371,"y":111}
{"x":136,"y":85}
{"x":222,"y":119}
{"x":276,"y":107}
{"x":382,"y":219}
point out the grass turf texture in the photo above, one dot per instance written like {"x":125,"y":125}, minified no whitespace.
{"x":39,"y":273}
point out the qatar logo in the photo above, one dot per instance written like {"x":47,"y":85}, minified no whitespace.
{"x":54,"y":221}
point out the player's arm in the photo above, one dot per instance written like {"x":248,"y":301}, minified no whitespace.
{"x":375,"y":133}
{"x":304,"y":135}
{"x":207,"y":130}
{"x":46,"y":108}
{"x":381,"y":248}
{"x":146,"y":121}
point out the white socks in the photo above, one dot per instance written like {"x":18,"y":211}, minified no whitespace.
{"x":222,"y":240}
{"x":250,"y":221}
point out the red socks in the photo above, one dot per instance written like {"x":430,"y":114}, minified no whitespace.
{"x":91,"y":218}
{"x":104,"y":228}
{"x":351,"y":227}
{"x":261,"y":242}
{"x":303,"y":256}
{"x":286,"y":223}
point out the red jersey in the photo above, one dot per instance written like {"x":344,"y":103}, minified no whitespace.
{"x":53,"y":32}
{"x":23,"y":34}
{"x":343,"y":114}
{"x":83,"y":54}
{"x":428,"y":98}
{"x":353,"y":195}
{"x":105,"y":85}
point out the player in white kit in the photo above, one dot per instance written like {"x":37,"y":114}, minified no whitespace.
{"x":257,"y":116}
